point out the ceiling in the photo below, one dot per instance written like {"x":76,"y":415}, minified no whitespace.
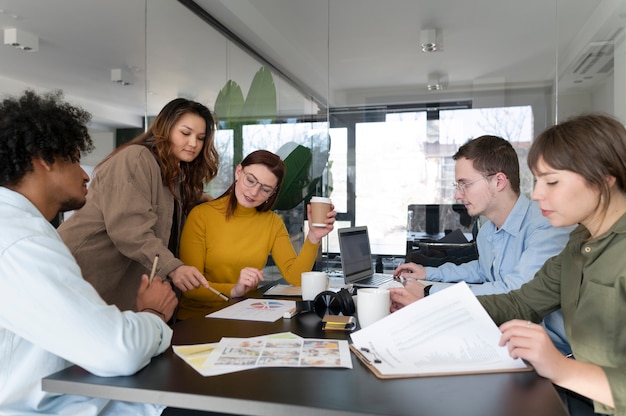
{"x":349,"y":52}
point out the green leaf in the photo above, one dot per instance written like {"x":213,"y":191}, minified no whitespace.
{"x":229,"y":103}
{"x":261,"y":100}
{"x":293,"y":191}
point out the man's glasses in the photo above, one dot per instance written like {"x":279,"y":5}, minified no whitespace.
{"x":461,"y":187}
{"x":251,"y":181}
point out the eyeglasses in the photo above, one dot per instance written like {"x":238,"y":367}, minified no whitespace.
{"x":461,"y":187}
{"x":251,"y":181}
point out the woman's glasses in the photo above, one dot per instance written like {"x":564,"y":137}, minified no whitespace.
{"x":251,"y":181}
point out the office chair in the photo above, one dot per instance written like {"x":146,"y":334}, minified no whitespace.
{"x":453,"y":247}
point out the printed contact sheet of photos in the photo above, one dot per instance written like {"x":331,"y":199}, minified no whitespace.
{"x":286,"y":352}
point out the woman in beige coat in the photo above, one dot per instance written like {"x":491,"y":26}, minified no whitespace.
{"x":137,"y":202}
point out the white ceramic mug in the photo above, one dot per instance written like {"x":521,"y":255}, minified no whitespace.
{"x":372,"y":304}
{"x":313,"y":283}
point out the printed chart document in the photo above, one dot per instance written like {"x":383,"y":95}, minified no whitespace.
{"x":196,"y":355}
{"x":264,"y":310}
{"x":283,"y":349}
{"x":446,"y":333}
{"x":271,"y":351}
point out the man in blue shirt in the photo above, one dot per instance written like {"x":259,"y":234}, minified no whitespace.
{"x":515,"y":241}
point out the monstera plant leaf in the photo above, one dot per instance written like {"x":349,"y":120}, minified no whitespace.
{"x":233,"y":111}
{"x":261,"y":100}
{"x":229,"y":103}
{"x":297,"y":160}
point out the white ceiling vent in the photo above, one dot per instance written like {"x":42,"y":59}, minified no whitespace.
{"x":591,"y":66}
{"x":595,"y":59}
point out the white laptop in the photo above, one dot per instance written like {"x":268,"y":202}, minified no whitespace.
{"x":356,"y":259}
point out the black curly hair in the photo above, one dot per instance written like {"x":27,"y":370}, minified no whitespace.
{"x":39,"y":126}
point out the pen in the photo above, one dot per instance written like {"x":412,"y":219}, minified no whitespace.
{"x":154,"y":266}
{"x":220,"y":294}
{"x":403,"y":280}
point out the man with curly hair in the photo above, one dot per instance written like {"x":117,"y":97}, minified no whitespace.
{"x":50,"y":317}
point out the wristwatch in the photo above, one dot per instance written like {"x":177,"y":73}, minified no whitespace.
{"x":427,"y":290}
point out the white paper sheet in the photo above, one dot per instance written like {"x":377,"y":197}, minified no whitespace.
{"x":264,"y":310}
{"x":447,"y":332}
{"x":196,"y":356}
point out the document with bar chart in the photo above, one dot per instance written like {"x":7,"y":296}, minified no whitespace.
{"x":264,"y":310}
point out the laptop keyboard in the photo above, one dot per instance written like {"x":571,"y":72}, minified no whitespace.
{"x":377,"y":279}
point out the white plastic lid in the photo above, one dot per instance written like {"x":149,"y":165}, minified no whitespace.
{"x":321,"y":199}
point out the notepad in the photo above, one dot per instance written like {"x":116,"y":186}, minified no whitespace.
{"x":283,"y":290}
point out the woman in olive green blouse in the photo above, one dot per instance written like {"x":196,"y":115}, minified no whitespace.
{"x":580,"y":169}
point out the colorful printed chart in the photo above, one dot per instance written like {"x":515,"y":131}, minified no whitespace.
{"x":265,"y":310}
{"x":267,"y":304}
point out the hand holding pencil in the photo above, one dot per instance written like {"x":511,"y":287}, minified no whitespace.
{"x":187,"y":277}
{"x":158,"y":298}
{"x":218,"y":293}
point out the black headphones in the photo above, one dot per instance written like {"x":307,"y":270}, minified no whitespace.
{"x":334,"y":303}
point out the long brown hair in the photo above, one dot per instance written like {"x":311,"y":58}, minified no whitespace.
{"x":270,"y":161}
{"x":192,"y":175}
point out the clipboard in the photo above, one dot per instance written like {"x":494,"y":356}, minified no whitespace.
{"x":369,"y":361}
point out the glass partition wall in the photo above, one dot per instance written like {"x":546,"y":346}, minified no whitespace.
{"x":281,"y":75}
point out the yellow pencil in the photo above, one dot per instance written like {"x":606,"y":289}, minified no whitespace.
{"x":220,"y":294}
{"x":154,"y":266}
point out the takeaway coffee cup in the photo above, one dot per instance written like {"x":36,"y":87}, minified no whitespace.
{"x":372,"y":304}
{"x":313,"y":283}
{"x":320,"y":206}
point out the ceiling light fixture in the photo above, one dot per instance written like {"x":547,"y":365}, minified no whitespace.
{"x":21,"y":40}
{"x":428,"y":38}
{"x":436,"y":82}
{"x":122,"y":76}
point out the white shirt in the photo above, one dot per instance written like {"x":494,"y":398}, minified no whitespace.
{"x":51,"y":318}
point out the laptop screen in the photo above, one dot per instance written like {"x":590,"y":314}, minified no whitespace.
{"x":356,"y":256}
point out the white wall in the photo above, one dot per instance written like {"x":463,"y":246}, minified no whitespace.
{"x":603,"y":98}
{"x":573,"y":104}
{"x":104,"y":143}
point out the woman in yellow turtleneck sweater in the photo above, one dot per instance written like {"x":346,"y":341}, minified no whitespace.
{"x":229,"y":238}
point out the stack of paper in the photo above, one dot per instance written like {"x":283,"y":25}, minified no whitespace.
{"x":276,"y":350}
{"x":448,"y":332}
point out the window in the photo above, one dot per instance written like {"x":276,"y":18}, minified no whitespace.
{"x":406,"y":159}
{"x":380,"y":161}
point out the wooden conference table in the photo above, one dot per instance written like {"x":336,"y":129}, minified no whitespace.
{"x":168,"y":380}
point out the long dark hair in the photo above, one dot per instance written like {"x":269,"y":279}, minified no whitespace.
{"x":193,"y":175}
{"x":274,"y":164}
